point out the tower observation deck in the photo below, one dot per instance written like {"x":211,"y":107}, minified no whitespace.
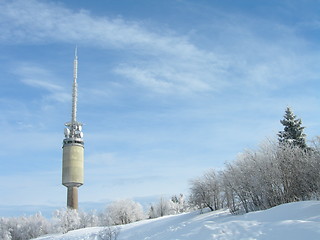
{"x":73,"y":148}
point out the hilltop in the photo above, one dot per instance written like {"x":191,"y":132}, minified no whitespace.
{"x":299,"y":220}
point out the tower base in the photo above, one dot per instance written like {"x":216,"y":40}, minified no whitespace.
{"x":72,"y":198}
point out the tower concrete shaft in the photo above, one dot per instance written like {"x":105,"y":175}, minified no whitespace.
{"x":72,"y":197}
{"x":73,"y":148}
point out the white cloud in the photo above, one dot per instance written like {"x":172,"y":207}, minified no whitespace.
{"x":166,"y":62}
{"x":38,"y":77}
{"x":253,"y":53}
{"x":42,"y":84}
{"x":171,"y":63}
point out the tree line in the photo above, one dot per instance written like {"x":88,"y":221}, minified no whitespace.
{"x":277,"y":172}
{"x":116,"y":213}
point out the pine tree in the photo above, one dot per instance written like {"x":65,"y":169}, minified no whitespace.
{"x":293,"y":131}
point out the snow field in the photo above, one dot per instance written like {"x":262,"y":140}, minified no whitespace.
{"x":292,"y":221}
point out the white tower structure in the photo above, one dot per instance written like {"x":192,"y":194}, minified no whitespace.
{"x":73,"y":148}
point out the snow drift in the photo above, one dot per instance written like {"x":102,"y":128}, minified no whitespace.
{"x":299,"y":220}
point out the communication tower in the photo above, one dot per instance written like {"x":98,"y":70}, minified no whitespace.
{"x":73,"y":148}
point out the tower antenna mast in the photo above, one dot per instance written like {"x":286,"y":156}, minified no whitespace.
{"x":75,"y":88}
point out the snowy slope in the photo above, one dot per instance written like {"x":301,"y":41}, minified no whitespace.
{"x":291,"y":221}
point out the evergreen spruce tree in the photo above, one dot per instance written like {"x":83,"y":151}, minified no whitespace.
{"x":293,"y":131}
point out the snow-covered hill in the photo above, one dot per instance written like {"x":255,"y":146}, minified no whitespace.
{"x":300,"y":220}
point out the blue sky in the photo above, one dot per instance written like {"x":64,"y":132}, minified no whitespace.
{"x":167,"y":89}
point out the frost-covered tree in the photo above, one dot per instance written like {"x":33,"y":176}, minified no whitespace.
{"x":178,"y":204}
{"x":152,"y":212}
{"x":4,"y":229}
{"x":165,"y":206}
{"x":270,"y":176}
{"x":160,"y":209}
{"x":66,"y":220}
{"x":24,"y":228}
{"x":124,"y":212}
{"x":36,"y":226}
{"x":206,"y":191}
{"x":88,"y":219}
{"x":293,"y":131}
{"x":260,"y":179}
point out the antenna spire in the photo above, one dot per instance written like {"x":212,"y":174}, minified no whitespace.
{"x":75,"y":87}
